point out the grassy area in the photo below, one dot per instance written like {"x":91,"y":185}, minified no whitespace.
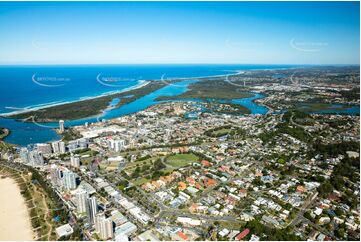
{"x":181,"y":160}
{"x":109,"y":166}
{"x":221,"y":132}
{"x":131,"y":166}
{"x":140,"y":181}
{"x":224,"y":130}
{"x":38,"y":202}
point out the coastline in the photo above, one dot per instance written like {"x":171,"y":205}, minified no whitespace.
{"x":141,"y":84}
{"x":6,"y":132}
{"x":15,"y":221}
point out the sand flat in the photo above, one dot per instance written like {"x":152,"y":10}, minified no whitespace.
{"x":14,"y":218}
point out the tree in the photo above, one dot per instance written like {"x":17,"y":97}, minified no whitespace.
{"x":325,"y":188}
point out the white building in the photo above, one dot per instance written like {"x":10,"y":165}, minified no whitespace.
{"x":103,"y":226}
{"x":55,"y":147}
{"x":69,"y":180}
{"x":62,"y":147}
{"x":75,"y":161}
{"x":125,"y":230}
{"x":24,"y":155}
{"x":44,"y":148}
{"x":64,"y":230}
{"x":116,"y":145}
{"x":61,"y":126}
{"x":93,"y":209}
{"x":58,"y":147}
{"x":82,"y":201}
{"x":35,"y":158}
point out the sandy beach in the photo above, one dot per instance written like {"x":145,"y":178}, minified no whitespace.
{"x":14,"y":218}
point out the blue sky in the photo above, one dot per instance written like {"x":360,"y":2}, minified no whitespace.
{"x":179,"y":32}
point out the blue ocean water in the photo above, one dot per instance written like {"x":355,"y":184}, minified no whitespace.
{"x":33,"y":86}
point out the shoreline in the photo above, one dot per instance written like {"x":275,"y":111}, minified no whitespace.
{"x":142,"y":84}
{"x":5,"y":134}
{"x":15,"y":221}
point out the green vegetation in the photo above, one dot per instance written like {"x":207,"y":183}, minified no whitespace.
{"x":287,"y":127}
{"x":211,"y":89}
{"x":3,"y":145}
{"x":89,"y":107}
{"x":225,"y":130}
{"x":42,"y":201}
{"x":333,"y":150}
{"x":3,"y":133}
{"x":353,"y":94}
{"x":151,"y":168}
{"x":141,"y":181}
{"x":70,"y":134}
{"x":181,"y":160}
{"x":321,"y":106}
{"x":343,"y":178}
{"x":270,"y":234}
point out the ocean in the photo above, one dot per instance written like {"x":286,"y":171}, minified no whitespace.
{"x":29,"y":87}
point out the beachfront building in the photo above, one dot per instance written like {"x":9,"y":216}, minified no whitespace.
{"x":24,"y":155}
{"x":103,"y":226}
{"x":35,"y":158}
{"x":55,"y":175}
{"x":64,"y":230}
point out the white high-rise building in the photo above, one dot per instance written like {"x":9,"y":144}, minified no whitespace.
{"x":116,"y":145}
{"x":55,"y":146}
{"x":69,"y":180}
{"x":82,"y":201}
{"x":61,"y":126}
{"x":74,"y":161}
{"x":104,"y":226}
{"x":35,"y":158}
{"x":119,"y":145}
{"x":24,"y":155}
{"x":44,"y":148}
{"x":62,"y":147}
{"x":93,"y":209}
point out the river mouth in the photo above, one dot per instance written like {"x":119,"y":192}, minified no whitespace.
{"x":25,"y":133}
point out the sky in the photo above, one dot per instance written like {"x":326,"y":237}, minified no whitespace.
{"x":179,"y":32}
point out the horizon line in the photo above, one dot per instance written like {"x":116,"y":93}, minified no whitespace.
{"x":79,"y":64}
